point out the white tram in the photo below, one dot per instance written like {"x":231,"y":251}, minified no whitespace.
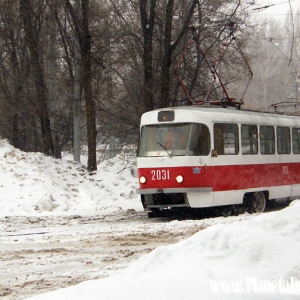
{"x":197,"y":156}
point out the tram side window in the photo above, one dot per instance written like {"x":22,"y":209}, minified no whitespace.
{"x":283,"y":140}
{"x":226,"y":138}
{"x":249,"y":139}
{"x":296,"y":140}
{"x":267,"y":140}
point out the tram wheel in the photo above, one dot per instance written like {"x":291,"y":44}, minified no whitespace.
{"x":255,"y":202}
{"x":259,"y":202}
{"x":226,"y":210}
{"x":154,"y":213}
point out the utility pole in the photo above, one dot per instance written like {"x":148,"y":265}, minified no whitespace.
{"x":295,"y":92}
{"x":296,"y":86}
{"x":112,"y":143}
{"x":77,"y":96}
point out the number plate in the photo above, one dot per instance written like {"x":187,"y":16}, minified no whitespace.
{"x":160,"y":174}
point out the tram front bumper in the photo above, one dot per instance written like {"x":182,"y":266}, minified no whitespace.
{"x":170,"y":197}
{"x":173,"y":190}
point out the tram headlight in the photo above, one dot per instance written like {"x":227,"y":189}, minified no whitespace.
{"x":143,"y":179}
{"x":179,"y":179}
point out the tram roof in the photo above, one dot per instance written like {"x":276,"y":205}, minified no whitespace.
{"x":208,"y":114}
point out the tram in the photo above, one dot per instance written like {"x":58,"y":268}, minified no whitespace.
{"x":194,"y":157}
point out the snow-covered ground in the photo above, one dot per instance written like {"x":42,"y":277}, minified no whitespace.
{"x":254,"y":259}
{"x":32,"y":184}
{"x":60,"y":226}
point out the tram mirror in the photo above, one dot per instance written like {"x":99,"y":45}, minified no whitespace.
{"x":214,"y":153}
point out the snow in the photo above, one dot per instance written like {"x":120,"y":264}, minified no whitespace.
{"x":255,"y":258}
{"x":263,"y":250}
{"x":33,"y":185}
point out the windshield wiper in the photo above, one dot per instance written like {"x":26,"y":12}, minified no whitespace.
{"x":170,"y":155}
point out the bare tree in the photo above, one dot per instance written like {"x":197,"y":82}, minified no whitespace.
{"x":147,"y":22}
{"x":170,"y":45}
{"x":87,"y":87}
{"x":129,"y":55}
{"x":32,"y":38}
{"x":11,"y":76}
{"x":82,"y":29}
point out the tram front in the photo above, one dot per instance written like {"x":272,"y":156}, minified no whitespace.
{"x":171,"y":161}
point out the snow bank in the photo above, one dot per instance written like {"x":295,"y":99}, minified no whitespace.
{"x":257,"y":259}
{"x":34,"y":184}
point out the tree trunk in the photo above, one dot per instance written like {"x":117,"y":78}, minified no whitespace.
{"x":170,"y":47}
{"x":82,"y":29}
{"x":147,"y":27}
{"x":39,"y":76}
{"x":52,"y":78}
{"x":167,"y":59}
{"x":87,"y":87}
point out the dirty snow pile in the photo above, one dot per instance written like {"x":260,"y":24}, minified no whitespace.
{"x":256,"y":259}
{"x":34,"y":184}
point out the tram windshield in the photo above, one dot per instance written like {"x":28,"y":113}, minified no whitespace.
{"x":175,"y":140}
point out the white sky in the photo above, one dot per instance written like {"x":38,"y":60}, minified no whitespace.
{"x":278,"y":8}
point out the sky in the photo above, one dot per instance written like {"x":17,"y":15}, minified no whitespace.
{"x":249,"y":259}
{"x":278,"y":9}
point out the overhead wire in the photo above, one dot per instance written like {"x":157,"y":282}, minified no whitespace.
{"x":293,"y":27}
{"x":274,"y":4}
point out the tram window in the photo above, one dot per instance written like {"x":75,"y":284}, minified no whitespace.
{"x":249,"y":139}
{"x":267,"y":140}
{"x":283,"y":140}
{"x":148,"y":140}
{"x":200,"y":140}
{"x":177,"y":138}
{"x":226,"y":138}
{"x":296,"y":140}
{"x":165,"y":139}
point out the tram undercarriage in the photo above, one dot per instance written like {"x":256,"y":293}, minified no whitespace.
{"x":164,"y":204}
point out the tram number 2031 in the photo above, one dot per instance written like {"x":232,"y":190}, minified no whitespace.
{"x":160,"y":174}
